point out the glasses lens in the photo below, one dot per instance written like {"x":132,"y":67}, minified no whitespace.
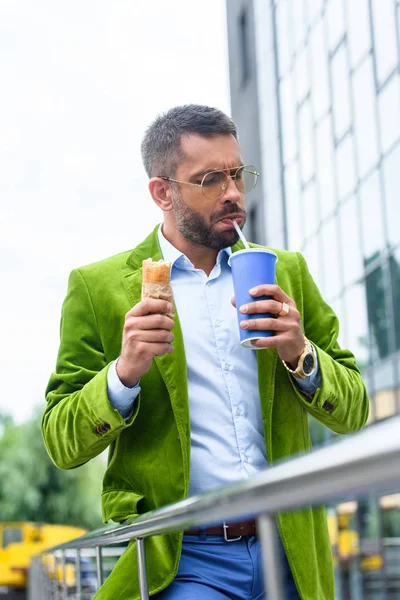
{"x":246,"y":178}
{"x":214,"y":184}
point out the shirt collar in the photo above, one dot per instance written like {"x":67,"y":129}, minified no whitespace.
{"x":177,"y":258}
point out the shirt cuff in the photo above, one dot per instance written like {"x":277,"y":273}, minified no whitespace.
{"x":120,"y":396}
{"x":312,"y":383}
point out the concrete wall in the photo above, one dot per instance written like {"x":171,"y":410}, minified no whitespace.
{"x":244,"y":104}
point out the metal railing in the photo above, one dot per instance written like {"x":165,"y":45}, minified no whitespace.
{"x":368,"y":462}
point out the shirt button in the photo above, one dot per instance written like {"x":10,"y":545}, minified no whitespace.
{"x":228,"y":367}
{"x":245,"y":458}
{"x":238,"y":412}
{"x":208,"y":283}
{"x":217,"y":323}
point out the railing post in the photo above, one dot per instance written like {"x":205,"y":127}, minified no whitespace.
{"x":266,"y":532}
{"x":141,"y":558}
{"x":64,"y":588}
{"x":78,"y":575}
{"x":47,"y":581}
{"x":99,"y":566}
{"x":56,"y":585}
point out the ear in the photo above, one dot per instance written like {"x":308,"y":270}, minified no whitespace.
{"x":161,"y":193}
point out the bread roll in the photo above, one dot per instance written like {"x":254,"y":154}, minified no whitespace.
{"x":156,"y":281}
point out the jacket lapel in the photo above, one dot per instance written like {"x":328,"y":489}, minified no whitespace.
{"x":172,"y":367}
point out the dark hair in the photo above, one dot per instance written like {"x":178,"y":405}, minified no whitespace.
{"x":161,"y":151}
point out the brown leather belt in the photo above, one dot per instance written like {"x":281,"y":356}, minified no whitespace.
{"x":230,"y":531}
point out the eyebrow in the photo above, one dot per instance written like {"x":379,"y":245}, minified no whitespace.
{"x":210,"y":170}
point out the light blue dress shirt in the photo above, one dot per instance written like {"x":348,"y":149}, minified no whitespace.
{"x":227,"y":439}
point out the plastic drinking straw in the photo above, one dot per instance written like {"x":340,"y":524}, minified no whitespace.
{"x":240,"y":234}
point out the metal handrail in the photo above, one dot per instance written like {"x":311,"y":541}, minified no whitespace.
{"x":367,"y":462}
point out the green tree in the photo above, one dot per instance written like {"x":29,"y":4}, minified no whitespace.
{"x":33,"y":489}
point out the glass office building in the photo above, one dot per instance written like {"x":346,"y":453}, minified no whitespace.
{"x":315,"y":87}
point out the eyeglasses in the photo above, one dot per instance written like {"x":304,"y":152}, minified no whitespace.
{"x":215,"y":183}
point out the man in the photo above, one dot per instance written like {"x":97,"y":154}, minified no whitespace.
{"x":182,"y":405}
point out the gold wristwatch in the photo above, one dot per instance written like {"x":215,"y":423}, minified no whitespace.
{"x":307,"y":362}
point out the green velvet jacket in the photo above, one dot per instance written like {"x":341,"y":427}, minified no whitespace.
{"x":148,"y":462}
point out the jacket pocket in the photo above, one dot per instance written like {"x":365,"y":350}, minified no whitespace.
{"x":119,"y":505}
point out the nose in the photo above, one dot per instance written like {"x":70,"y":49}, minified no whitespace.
{"x":231,"y":192}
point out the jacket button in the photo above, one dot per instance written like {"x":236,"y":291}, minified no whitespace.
{"x":106,"y":426}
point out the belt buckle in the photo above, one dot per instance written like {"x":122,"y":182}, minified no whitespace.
{"x":225,"y":528}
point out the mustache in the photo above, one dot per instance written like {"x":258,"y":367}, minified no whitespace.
{"x":229,"y":210}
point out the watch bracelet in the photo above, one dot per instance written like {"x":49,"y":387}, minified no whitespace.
{"x":295,"y":372}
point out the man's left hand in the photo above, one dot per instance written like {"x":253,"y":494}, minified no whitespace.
{"x":288,"y":338}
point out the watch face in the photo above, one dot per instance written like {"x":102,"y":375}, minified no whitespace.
{"x":308,"y":364}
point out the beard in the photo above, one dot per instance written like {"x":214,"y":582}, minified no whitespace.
{"x":194,"y":228}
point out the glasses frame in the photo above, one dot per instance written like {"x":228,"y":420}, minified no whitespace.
{"x":224,"y":187}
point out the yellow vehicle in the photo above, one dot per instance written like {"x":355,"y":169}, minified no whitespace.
{"x":19,"y":542}
{"x":345,"y":539}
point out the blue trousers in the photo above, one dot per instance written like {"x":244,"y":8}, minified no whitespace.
{"x":213,"y":569}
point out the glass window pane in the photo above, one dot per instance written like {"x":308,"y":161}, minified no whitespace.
{"x":390,"y":506}
{"x":359,"y":33}
{"x":294,"y":214}
{"x":357,"y":323}
{"x":11,"y":535}
{"x":319,"y":58}
{"x":383,"y":21}
{"x":377,"y":314}
{"x":346,"y":167}
{"x":306,"y":142}
{"x":310,"y":209}
{"x":335,"y":18}
{"x":395,"y":277}
{"x":385,"y":404}
{"x":325,"y":176}
{"x":337,"y":306}
{"x":350,"y":241}
{"x":391,"y":170}
{"x":312,"y":254}
{"x":288,"y":107}
{"x":296,"y":10}
{"x":314,"y":8}
{"x":341,"y":92}
{"x":365,"y":117}
{"x":372,"y":221}
{"x":389,"y":113}
{"x":331,"y":259}
{"x":283,"y":36}
{"x":302,"y":74}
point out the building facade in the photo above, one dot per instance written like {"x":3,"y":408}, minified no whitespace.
{"x":315,"y":84}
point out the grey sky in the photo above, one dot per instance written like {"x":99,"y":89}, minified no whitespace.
{"x":80,"y":81}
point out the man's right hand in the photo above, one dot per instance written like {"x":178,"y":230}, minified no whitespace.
{"x":147,"y":333}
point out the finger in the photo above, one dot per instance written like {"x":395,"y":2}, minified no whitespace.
{"x":262,"y":306}
{"x":233,"y":301}
{"x":152,"y":336}
{"x":150,"y":306}
{"x":158,"y":321}
{"x":264,"y":324}
{"x":267,"y":289}
{"x":159,"y":349}
{"x":268,"y":342}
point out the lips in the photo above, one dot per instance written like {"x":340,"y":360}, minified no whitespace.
{"x":228,"y":220}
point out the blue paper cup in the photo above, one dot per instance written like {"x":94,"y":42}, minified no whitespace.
{"x":252,"y":267}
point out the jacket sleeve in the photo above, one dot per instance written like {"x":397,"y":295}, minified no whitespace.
{"x":341,"y":402}
{"x":79,"y":422}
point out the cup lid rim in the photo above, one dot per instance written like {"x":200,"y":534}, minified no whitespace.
{"x":245,"y":250}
